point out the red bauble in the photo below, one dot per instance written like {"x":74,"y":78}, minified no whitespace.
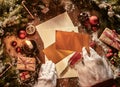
{"x":93,"y":20}
{"x":18,"y":49}
{"x":22,"y":34}
{"x":14,"y":43}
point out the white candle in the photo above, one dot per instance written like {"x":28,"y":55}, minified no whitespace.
{"x":29,"y":44}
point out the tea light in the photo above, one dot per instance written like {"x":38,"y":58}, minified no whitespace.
{"x":29,"y":44}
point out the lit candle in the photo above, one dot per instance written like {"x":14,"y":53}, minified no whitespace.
{"x":29,"y":44}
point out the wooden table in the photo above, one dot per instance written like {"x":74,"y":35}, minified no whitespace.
{"x":65,"y":82}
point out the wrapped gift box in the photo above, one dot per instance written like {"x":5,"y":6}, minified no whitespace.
{"x":24,"y":76}
{"x":26,"y":63}
{"x":111,"y":38}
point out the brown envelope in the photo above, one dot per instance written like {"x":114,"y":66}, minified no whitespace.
{"x":71,"y":40}
{"x":55,"y":54}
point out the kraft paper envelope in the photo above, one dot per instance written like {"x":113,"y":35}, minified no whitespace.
{"x":54,"y":54}
{"x":47,"y":30}
{"x":71,"y":40}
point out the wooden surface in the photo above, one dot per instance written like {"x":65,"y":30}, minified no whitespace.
{"x":40,"y":46}
{"x":64,"y":82}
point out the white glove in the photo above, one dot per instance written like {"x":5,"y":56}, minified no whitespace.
{"x":47,"y":75}
{"x":93,"y":69}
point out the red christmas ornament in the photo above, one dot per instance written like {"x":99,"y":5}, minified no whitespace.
{"x":22,"y":34}
{"x":93,"y":20}
{"x":14,"y":43}
{"x":18,"y":49}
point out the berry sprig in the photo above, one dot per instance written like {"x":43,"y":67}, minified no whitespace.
{"x":109,"y":53}
{"x":114,"y":57}
{"x":89,"y":22}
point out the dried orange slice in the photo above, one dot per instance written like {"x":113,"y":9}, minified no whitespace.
{"x":30,"y":29}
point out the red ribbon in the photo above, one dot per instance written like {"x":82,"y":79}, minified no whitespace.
{"x":77,"y":56}
{"x":23,"y":75}
{"x":114,"y":37}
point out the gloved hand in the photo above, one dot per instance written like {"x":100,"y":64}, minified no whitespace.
{"x":92,"y":69}
{"x":47,"y":75}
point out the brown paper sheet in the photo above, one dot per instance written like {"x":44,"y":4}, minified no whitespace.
{"x":71,"y":40}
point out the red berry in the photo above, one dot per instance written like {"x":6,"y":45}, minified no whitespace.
{"x":115,"y":54}
{"x":112,"y":62}
{"x":110,"y":51}
{"x":108,"y":55}
{"x":14,"y":43}
{"x":93,"y":20}
{"x":18,"y":49}
{"x":111,"y":54}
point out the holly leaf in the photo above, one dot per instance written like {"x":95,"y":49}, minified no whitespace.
{"x":119,"y":54}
